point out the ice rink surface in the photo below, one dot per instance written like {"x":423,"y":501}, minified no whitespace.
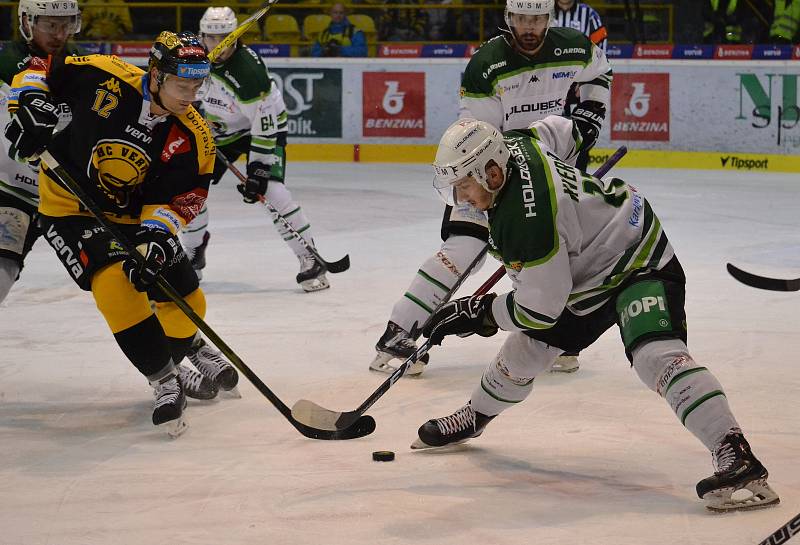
{"x":592,"y":458}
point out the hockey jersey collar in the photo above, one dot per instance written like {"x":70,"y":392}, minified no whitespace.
{"x":146,"y":117}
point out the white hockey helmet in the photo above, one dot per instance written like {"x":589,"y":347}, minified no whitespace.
{"x":218,"y":20}
{"x":30,"y":10}
{"x":529,"y":7}
{"x":465,"y":149}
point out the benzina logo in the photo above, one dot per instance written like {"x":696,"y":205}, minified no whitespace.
{"x":744,"y":164}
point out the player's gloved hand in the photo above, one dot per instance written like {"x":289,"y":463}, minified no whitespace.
{"x":256,"y":184}
{"x":588,"y":117}
{"x":31,"y":127}
{"x":465,"y":315}
{"x":160,"y":249}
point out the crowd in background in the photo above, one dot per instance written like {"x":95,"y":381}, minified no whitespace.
{"x":363,"y":22}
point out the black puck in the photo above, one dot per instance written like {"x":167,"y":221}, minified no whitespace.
{"x":383,"y":456}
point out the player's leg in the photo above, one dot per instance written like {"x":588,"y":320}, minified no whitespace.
{"x":9,"y":271}
{"x":18,"y":232}
{"x":464,"y":232}
{"x":652,"y":323}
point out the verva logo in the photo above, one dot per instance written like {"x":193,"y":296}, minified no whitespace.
{"x":394,"y":104}
{"x":177,"y":142}
{"x":733,"y":52}
{"x":653,"y":52}
{"x":640,"y":107}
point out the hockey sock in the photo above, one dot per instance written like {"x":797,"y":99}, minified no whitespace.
{"x":434,"y":279}
{"x":509,"y":378}
{"x":695,"y":395}
{"x":146,"y":346}
{"x":9,"y":270}
{"x":192,"y":235}
{"x":179,"y":347}
{"x":281,"y":199}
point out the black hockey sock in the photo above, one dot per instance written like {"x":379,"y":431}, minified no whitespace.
{"x":179,"y":347}
{"x":146,"y":346}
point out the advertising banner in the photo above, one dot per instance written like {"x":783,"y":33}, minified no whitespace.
{"x":394,"y":104}
{"x":640,"y":107}
{"x":313,"y":99}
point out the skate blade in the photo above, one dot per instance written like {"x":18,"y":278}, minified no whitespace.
{"x":381,"y":364}
{"x":176,"y":428}
{"x":419,"y":444}
{"x":728,"y":499}
{"x":565,"y":364}
{"x":233,"y":393}
{"x":315,"y":284}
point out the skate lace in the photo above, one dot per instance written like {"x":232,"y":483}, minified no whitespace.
{"x":190,"y":379}
{"x":724,"y":457}
{"x":460,"y":420}
{"x":167,"y":393}
{"x":208,"y":361}
{"x":307,"y":263}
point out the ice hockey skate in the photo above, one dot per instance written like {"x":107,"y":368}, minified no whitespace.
{"x":396,"y":343}
{"x":213,"y":366}
{"x":196,"y":385}
{"x":198,"y":257}
{"x":459,"y":427}
{"x":566,"y":363}
{"x":169,"y":405}
{"x":736,"y":470}
{"x":312,"y":274}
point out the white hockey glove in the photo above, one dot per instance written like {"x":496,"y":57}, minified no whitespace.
{"x":31,"y":127}
{"x":465,"y":315}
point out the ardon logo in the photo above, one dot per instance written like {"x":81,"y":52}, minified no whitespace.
{"x":118,"y":167}
{"x":112,"y":85}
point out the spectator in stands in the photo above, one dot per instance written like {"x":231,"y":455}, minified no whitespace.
{"x":404,"y":24}
{"x":102,"y":22}
{"x":722,"y":23}
{"x":786,"y":22}
{"x":583,"y":18}
{"x":341,"y":38}
{"x":441,"y":22}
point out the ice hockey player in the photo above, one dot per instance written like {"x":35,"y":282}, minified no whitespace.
{"x":583,"y":254}
{"x":45,"y":29}
{"x":513,"y":80}
{"x":145,"y":156}
{"x":247,"y":114}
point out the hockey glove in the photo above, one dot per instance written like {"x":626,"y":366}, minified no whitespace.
{"x":160,"y":250}
{"x":465,"y":315}
{"x":256,"y":184}
{"x":31,"y":127}
{"x":588,"y":117}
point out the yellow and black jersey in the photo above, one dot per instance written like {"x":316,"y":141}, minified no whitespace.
{"x":138,"y":168}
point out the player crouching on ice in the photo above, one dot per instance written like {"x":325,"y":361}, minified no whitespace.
{"x":583,"y":254}
{"x":145,"y":156}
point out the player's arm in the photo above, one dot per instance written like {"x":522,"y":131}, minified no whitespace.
{"x":597,"y":31}
{"x":594,"y":91}
{"x":478,"y":99}
{"x":560,"y":134}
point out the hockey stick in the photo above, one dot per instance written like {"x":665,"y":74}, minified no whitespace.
{"x":364,"y":426}
{"x":312,"y":414}
{"x":784,"y":533}
{"x":333,"y":267}
{"x":763,"y":282}
{"x":240,"y":30}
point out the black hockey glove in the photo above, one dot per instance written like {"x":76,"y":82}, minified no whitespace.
{"x":465,"y":315}
{"x":31,"y":128}
{"x":588,"y":117}
{"x":160,"y":250}
{"x":256,"y":184}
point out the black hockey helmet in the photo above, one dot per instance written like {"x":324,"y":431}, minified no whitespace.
{"x":180,"y":54}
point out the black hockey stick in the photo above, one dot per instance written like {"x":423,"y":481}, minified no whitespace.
{"x":334,"y":267}
{"x":764,"y":282}
{"x":784,"y":533}
{"x":363,"y":426}
{"x":312,"y":414}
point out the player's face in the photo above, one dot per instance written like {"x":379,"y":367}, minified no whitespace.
{"x":177,"y":94}
{"x":529,"y":30}
{"x":468,"y":190}
{"x":50,"y":34}
{"x":337,"y":13}
{"x":212,"y":40}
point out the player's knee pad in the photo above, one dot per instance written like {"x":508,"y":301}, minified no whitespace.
{"x":117,"y":300}
{"x":175,"y":323}
{"x":650,"y":309}
{"x":279,"y":196}
{"x":666,"y":367}
{"x":459,"y":251}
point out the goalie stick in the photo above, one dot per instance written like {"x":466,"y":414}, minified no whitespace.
{"x":312,"y":414}
{"x":784,"y":533}
{"x":361,"y":426}
{"x":333,"y":267}
{"x":763,"y":282}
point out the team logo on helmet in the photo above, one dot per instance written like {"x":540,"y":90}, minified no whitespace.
{"x":119,"y":167}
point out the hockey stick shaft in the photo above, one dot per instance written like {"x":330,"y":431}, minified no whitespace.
{"x":784,"y":533}
{"x":335,"y":267}
{"x":311,"y":413}
{"x":237,"y":33}
{"x":763,"y":282}
{"x":59,"y":173}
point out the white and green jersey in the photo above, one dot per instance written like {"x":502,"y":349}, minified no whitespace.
{"x":17,"y":179}
{"x":241,"y":99}
{"x":510,"y":90}
{"x":567,"y":239}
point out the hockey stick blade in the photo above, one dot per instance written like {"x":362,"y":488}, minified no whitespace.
{"x":763,"y":282}
{"x":784,"y":533}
